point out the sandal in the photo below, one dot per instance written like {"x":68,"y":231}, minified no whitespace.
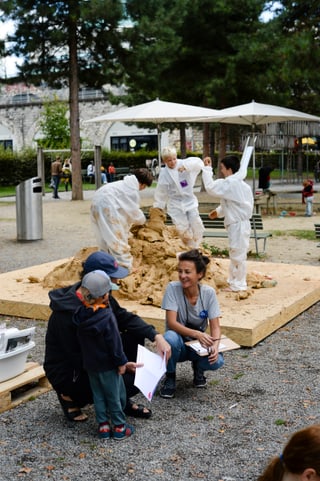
{"x":71,"y":410}
{"x":139,"y":411}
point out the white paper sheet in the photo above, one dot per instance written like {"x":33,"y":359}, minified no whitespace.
{"x":225,"y":344}
{"x":147,"y":377}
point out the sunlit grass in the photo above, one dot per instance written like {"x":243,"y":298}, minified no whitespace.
{"x":299,"y":234}
{"x":11,"y":190}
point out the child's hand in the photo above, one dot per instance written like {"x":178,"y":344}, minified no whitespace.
{"x":213,"y":214}
{"x":121,"y":369}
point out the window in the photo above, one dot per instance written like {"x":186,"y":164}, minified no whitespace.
{"x":134,"y":142}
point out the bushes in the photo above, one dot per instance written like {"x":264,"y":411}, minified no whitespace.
{"x":16,"y":167}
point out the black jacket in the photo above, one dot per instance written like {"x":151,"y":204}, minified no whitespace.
{"x":63,"y":359}
{"x":99,"y":339}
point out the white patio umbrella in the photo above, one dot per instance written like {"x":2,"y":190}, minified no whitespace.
{"x":254,"y":114}
{"x":156,"y":112}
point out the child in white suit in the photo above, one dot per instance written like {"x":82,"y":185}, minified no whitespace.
{"x":175,"y":190}
{"x":236,"y":206}
{"x":114,"y":208}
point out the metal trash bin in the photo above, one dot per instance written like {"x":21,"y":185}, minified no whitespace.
{"x":29,"y":210}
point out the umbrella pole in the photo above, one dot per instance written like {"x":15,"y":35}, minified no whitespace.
{"x":159,"y":144}
{"x":253,"y":163}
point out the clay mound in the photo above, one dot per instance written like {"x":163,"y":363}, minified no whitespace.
{"x":154,"y":247}
{"x":68,"y":273}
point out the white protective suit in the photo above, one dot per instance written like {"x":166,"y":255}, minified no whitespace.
{"x":236,"y":206}
{"x":114,"y":208}
{"x":175,"y":190}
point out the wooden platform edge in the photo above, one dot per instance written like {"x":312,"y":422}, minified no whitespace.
{"x":33,"y":379}
{"x":24,"y":309}
{"x":286,"y":315}
{"x":249,"y":337}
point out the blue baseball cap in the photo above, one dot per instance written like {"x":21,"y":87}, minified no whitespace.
{"x":104,"y":262}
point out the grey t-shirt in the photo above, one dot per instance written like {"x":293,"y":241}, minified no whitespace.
{"x":207,"y":306}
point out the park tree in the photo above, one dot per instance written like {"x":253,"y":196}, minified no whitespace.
{"x":152,"y":44}
{"x":296,"y":73}
{"x":225,"y":43}
{"x":216,"y":56}
{"x":67,"y":42}
{"x":54,"y":126}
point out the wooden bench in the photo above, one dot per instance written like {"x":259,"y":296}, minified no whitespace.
{"x":256,"y":226}
{"x":84,"y":175}
{"x":317,"y":231}
{"x":211,"y":225}
{"x":121,"y":172}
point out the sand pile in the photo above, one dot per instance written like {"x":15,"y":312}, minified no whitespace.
{"x":69,"y":272}
{"x":154,"y":247}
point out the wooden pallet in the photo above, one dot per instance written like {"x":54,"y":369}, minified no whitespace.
{"x":28,"y":385}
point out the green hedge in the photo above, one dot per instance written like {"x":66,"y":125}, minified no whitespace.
{"x":17,"y":167}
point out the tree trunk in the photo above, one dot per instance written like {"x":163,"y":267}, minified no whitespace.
{"x":206,"y":139}
{"x":205,"y":147}
{"x":222,"y":146}
{"x":183,"y":145}
{"x":77,"y":191}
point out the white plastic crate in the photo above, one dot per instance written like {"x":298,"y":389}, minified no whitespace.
{"x":14,"y":348}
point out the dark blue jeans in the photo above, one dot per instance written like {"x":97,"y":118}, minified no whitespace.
{"x":56,"y":182}
{"x":180,"y":353}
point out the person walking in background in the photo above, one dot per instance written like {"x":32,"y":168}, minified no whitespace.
{"x":190,"y":307}
{"x":67,"y":174}
{"x":236,"y":206}
{"x":114,"y":208}
{"x":307,"y":197}
{"x":103,"y":355}
{"x":56,"y":172}
{"x":175,"y":191}
{"x":300,"y":459}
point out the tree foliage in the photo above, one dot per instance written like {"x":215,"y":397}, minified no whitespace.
{"x":202,"y":52}
{"x":209,"y":57}
{"x":296,"y":73}
{"x":152,"y":46}
{"x":67,"y":42}
{"x":42,"y":39}
{"x":55,"y":126}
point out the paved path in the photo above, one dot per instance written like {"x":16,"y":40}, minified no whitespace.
{"x":67,"y":229}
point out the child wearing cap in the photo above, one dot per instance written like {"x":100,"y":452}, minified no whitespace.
{"x":103,"y":355}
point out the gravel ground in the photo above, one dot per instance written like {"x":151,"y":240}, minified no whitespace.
{"x":224,"y":432}
{"x":227,"y":431}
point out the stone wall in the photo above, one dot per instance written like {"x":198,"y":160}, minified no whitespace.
{"x":20,"y":122}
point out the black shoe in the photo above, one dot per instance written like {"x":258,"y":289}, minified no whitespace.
{"x":168,"y":387}
{"x":199,"y":380}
